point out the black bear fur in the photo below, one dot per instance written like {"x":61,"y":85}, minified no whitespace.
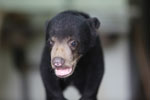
{"x":90,"y":67}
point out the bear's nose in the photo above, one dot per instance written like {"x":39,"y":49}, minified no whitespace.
{"x":58,"y":61}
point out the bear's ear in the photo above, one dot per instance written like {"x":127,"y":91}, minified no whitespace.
{"x":94,"y":22}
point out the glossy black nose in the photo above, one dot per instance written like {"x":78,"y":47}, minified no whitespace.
{"x":58,"y":61}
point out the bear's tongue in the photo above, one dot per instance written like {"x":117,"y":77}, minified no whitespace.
{"x":63,"y":71}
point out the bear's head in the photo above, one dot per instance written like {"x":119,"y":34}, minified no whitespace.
{"x":69,"y":36}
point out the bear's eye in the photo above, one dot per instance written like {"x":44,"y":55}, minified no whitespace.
{"x":73,"y":44}
{"x":51,"y":42}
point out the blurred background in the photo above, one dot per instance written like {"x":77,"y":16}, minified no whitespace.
{"x":124,"y":33}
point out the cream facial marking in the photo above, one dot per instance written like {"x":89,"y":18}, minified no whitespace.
{"x":63,"y":60}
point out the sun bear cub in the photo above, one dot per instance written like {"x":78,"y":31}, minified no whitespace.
{"x":72,"y":56}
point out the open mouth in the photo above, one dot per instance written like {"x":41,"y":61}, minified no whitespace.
{"x":63,"y":72}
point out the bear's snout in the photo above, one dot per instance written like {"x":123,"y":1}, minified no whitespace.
{"x":58,"y":62}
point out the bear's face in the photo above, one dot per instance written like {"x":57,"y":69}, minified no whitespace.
{"x":69,"y":37}
{"x":64,"y":55}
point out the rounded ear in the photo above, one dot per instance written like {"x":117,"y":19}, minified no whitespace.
{"x":94,"y":22}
